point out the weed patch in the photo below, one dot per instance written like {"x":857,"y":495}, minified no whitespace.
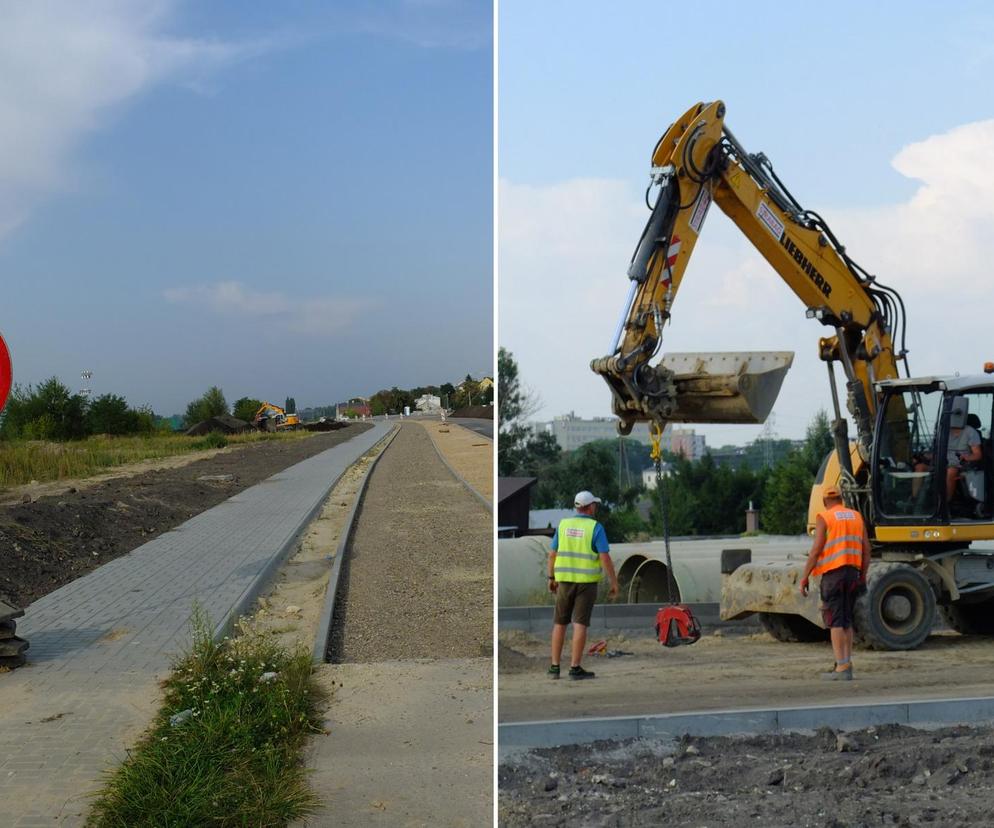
{"x":225,"y":748}
{"x":22,"y":461}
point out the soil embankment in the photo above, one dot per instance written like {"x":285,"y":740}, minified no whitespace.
{"x":54,"y":540}
{"x":888,"y":775}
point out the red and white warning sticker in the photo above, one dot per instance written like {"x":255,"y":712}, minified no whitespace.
{"x":769,"y":218}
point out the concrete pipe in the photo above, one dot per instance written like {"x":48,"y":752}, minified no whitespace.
{"x":641,"y":567}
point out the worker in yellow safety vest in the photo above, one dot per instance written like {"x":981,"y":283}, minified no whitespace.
{"x":840,"y":554}
{"x":577,"y":556}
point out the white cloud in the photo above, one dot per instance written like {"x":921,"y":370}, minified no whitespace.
{"x":564,"y":249}
{"x":65,"y":65}
{"x":318,"y":316}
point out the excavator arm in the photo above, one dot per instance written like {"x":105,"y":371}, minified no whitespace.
{"x":698,"y":161}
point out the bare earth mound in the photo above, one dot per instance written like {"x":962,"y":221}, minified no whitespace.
{"x":476,"y":412}
{"x":889,"y":775}
{"x":54,"y":540}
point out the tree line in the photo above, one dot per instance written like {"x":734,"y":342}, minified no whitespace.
{"x":51,"y":411}
{"x":705,"y":497}
{"x":468,"y":392}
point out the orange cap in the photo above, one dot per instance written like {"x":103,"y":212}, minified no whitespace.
{"x":831,"y":491}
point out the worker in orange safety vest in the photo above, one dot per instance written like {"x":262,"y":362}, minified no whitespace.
{"x":840,"y":554}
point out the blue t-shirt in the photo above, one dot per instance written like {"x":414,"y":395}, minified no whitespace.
{"x":600,"y":536}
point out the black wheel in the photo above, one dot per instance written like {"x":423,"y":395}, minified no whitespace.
{"x":898,"y":610}
{"x":975,"y":618}
{"x":791,"y":627}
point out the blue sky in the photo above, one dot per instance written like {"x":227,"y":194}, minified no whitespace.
{"x":877,"y":115}
{"x":280,"y":199}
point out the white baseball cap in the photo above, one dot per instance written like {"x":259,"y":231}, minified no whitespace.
{"x":585,"y":499}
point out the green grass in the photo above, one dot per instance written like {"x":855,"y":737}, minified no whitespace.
{"x":22,"y":461}
{"x":236,"y":760}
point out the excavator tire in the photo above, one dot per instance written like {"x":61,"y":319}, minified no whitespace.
{"x":898,"y":610}
{"x":791,"y":627}
{"x":976,"y":618}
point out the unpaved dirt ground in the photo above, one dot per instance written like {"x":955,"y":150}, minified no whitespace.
{"x":290,"y":610}
{"x":890,"y":775}
{"x":731,"y":671}
{"x":418,"y":582}
{"x":53,"y":540}
{"x":471,"y":455}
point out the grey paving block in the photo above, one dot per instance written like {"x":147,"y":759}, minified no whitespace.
{"x":116,"y":630}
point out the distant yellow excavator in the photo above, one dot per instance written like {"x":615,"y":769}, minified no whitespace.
{"x":271,"y":417}
{"x":924,"y":506}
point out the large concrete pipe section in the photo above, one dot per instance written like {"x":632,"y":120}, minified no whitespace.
{"x":641,"y":567}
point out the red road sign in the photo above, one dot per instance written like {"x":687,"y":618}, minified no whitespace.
{"x":6,"y":373}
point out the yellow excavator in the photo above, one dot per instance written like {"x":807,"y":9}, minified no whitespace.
{"x":925,"y":501}
{"x":271,"y":417}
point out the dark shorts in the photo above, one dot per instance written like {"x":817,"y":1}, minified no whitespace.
{"x":575,"y":602}
{"x":838,"y":596}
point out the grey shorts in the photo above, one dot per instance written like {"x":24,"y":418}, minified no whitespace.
{"x":575,"y":602}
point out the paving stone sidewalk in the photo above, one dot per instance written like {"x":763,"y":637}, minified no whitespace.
{"x":100,"y":645}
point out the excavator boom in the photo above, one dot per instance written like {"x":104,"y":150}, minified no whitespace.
{"x":698,"y":161}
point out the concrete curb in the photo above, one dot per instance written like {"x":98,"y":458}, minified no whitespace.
{"x":514,"y":737}
{"x":247,"y":600}
{"x":331,"y":593}
{"x":459,"y":477}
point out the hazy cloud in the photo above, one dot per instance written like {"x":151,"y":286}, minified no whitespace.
{"x":317,"y":316}
{"x":428,"y":24}
{"x":564,"y":249}
{"x":65,"y":66}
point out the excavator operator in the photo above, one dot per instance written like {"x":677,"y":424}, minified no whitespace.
{"x":962,"y":449}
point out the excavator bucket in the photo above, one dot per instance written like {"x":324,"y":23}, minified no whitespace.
{"x":728,"y":387}
{"x":768,"y":587}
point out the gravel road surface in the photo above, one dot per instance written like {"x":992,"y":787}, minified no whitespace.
{"x":419,"y":579}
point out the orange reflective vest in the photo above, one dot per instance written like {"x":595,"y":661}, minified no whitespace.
{"x":843,"y":540}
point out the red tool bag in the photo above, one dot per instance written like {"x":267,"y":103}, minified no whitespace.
{"x":676,"y":625}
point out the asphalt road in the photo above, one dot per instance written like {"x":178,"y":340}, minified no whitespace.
{"x":484,"y":427}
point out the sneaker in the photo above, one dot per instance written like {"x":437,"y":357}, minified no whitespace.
{"x":553,"y":671}
{"x":837,"y":675}
{"x":577,"y":673}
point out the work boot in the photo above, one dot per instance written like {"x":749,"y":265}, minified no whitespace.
{"x":577,"y":673}
{"x":838,"y":675}
{"x":553,"y":671}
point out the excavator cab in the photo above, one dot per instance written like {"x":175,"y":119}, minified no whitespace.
{"x":925,"y":433}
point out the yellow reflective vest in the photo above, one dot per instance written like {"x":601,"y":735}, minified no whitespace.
{"x":576,"y":560}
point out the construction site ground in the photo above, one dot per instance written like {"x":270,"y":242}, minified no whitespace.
{"x":731,"y":670}
{"x":885,"y":775}
{"x":410,"y":722}
{"x":72,"y":527}
{"x":101,"y":644}
{"x":888,"y":775}
{"x":468,"y":453}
